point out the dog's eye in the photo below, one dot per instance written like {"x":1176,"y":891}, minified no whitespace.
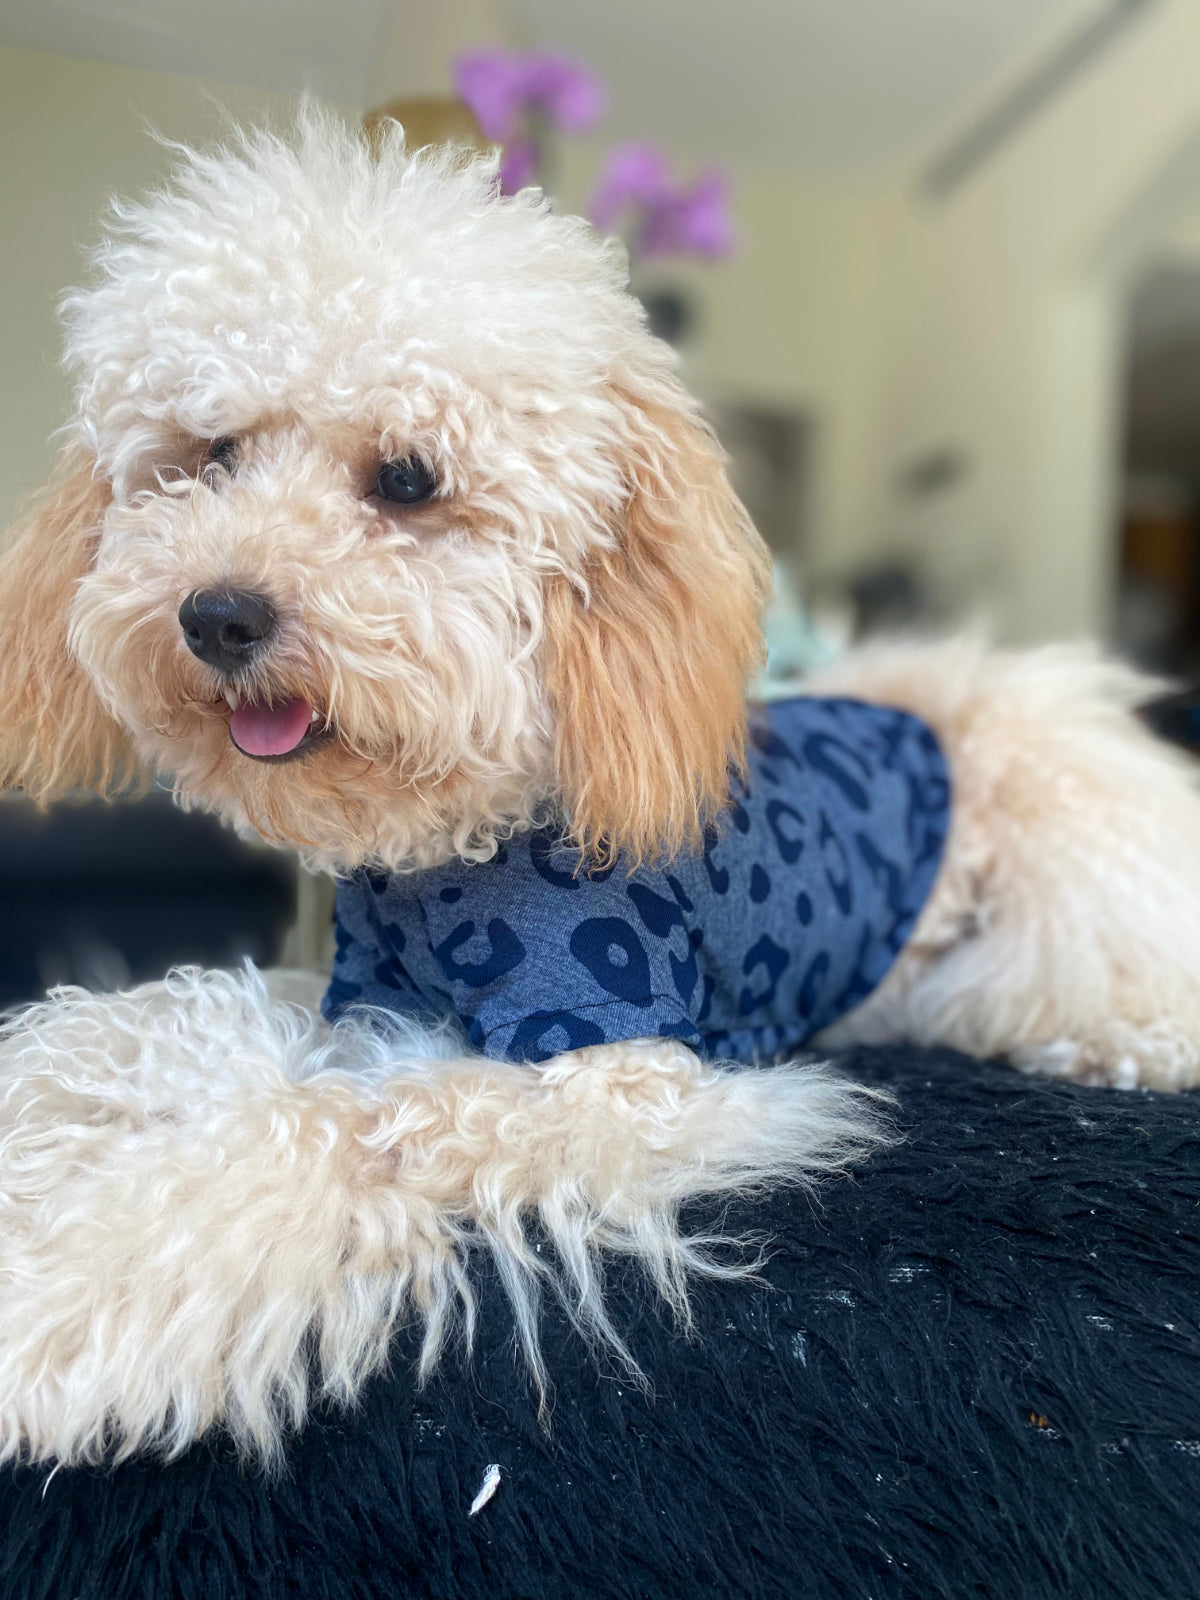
{"x":406,"y":482}
{"x":222,"y":453}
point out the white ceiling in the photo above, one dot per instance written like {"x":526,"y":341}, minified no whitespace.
{"x":832,"y":88}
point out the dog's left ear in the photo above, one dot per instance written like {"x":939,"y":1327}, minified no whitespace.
{"x":55,"y":736}
{"x":649,"y":657}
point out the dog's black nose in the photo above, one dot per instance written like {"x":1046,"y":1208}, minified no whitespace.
{"x":226,"y":629}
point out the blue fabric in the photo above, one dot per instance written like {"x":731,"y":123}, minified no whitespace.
{"x":799,"y":903}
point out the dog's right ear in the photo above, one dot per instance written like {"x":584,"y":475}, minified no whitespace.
{"x":55,"y":736}
{"x":650,"y":651}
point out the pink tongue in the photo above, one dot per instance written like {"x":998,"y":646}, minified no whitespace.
{"x":270,"y":730}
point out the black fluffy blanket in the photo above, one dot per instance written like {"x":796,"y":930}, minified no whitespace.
{"x":973,"y":1371}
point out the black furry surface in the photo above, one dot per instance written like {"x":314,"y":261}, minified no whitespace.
{"x":973,"y":1372}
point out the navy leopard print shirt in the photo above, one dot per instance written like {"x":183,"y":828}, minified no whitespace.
{"x":805,"y":891}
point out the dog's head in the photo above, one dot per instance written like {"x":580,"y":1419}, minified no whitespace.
{"x":386,"y":526}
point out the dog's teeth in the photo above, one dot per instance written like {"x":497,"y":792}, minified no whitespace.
{"x":232,"y":696}
{"x":316,"y":717}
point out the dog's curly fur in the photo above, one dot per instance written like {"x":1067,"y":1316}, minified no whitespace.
{"x":196,"y":1179}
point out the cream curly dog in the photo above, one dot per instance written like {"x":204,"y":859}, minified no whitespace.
{"x":386,"y":531}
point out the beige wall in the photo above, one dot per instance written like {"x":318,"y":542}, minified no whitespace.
{"x":999,"y":333}
{"x":72,"y":133}
{"x":419,"y":40}
{"x":793,"y":319}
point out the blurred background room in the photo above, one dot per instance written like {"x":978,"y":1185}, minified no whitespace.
{"x":933,"y":266}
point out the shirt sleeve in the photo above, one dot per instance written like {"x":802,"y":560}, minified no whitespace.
{"x":357,"y":951}
{"x":366,"y":967}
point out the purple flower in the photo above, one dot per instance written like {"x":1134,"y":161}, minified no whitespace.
{"x":696,"y":222}
{"x":634,"y":176}
{"x":665,"y":217}
{"x":500,"y":87}
{"x":492,"y":84}
{"x":568,"y":94}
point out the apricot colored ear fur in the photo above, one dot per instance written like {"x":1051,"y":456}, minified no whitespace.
{"x":647,"y":670}
{"x":54,"y":734}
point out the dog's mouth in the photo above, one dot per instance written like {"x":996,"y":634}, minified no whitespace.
{"x":281,"y":730}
